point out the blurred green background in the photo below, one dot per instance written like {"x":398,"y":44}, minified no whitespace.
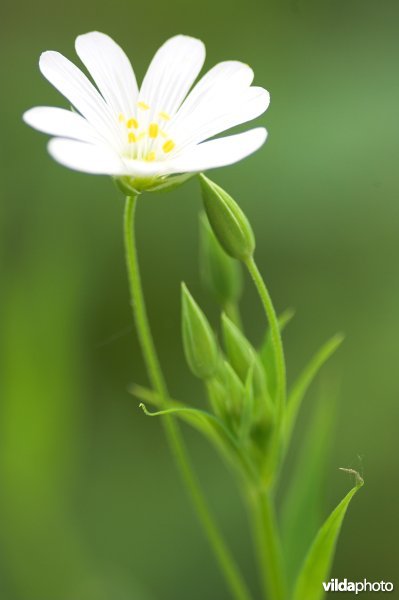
{"x":91,"y":506}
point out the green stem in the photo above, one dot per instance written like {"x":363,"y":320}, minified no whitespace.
{"x":222,"y":554}
{"x":267,"y":544}
{"x":275,"y":335}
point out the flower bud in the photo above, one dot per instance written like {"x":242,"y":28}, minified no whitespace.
{"x":242,"y":356}
{"x":227,"y":220}
{"x":200,"y":346}
{"x":221,"y":275}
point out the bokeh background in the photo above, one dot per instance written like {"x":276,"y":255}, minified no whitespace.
{"x":91,"y":506}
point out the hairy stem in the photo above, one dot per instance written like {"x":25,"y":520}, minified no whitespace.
{"x":226,"y":562}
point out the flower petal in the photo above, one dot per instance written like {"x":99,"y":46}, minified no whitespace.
{"x":225,"y":78}
{"x":220,"y":100}
{"x":74,"y":85}
{"x":61,"y":122}
{"x":88,"y":158}
{"x":111,"y":70}
{"x":171,"y":74}
{"x":227,"y":112}
{"x":218,"y":153}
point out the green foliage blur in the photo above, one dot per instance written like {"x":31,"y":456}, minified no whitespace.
{"x":91,"y":507}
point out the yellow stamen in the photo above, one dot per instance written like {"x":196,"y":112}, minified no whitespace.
{"x":150,"y":156}
{"x":153,"y":130}
{"x":132,"y":123}
{"x":165,"y":116}
{"x":141,"y":136}
{"x":143,"y":105}
{"x":168,"y":146}
{"x":121,"y":118}
{"x":132,"y":138}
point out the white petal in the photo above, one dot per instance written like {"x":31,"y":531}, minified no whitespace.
{"x":226,"y":112}
{"x":218,"y":153}
{"x":61,"y":122}
{"x":74,"y":85}
{"x":228,"y":77}
{"x":111,"y":70}
{"x":84,"y":157}
{"x":171,"y":74}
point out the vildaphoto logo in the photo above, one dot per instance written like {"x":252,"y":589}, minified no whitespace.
{"x":334,"y":585}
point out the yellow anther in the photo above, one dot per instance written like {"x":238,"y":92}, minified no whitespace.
{"x":121,"y":118}
{"x":150,"y":156}
{"x":164,"y":116}
{"x":143,"y":105}
{"x":168,"y":146}
{"x":132,"y":138}
{"x":132,"y":123}
{"x":153,"y":130}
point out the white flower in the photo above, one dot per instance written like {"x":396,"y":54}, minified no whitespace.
{"x":147,"y":134}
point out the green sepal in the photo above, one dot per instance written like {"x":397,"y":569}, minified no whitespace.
{"x":317,"y":565}
{"x":247,"y":415}
{"x":200,"y":346}
{"x":242,"y":356}
{"x":227,"y":220}
{"x":132,"y":186}
{"x":220,"y":273}
{"x":234,"y":387}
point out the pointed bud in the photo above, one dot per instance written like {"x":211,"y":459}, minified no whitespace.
{"x":227,"y":220}
{"x":200,"y":347}
{"x":234,"y":386}
{"x":242,"y":356}
{"x":221,"y":274}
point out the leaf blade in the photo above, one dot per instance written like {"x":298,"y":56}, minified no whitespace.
{"x":302,"y":505}
{"x":317,"y":564}
{"x":304,"y":381}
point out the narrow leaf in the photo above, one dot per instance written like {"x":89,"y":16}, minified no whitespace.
{"x":302,"y":506}
{"x":305,"y":379}
{"x":209,"y":425}
{"x":266,"y":353}
{"x":317,"y":565}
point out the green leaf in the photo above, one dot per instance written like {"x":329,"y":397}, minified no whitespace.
{"x":207,"y":424}
{"x":318,"y":562}
{"x":266,"y":353}
{"x":221,"y":274}
{"x":302,"y":506}
{"x":227,"y":220}
{"x":305,"y":379}
{"x":200,"y":346}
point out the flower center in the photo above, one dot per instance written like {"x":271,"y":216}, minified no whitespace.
{"x":145,"y":137}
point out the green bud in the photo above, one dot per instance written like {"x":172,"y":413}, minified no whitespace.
{"x":242,"y":356}
{"x":227,"y":220}
{"x":221,"y":275}
{"x":248,"y":408}
{"x":200,"y":346}
{"x":234,"y":387}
